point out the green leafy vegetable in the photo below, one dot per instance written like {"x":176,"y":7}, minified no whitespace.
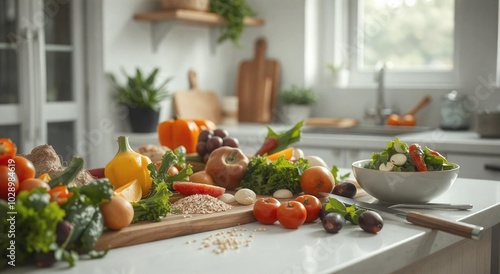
{"x":35,"y":220}
{"x":265,"y":177}
{"x":156,"y":205}
{"x":338,"y":177}
{"x":350,"y":213}
{"x":285,"y":139}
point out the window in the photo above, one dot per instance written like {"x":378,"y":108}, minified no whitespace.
{"x":415,"y":37}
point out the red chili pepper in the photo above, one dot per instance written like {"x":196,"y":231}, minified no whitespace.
{"x":60,"y":194}
{"x":268,"y":145}
{"x":7,"y":150}
{"x":416,"y":155}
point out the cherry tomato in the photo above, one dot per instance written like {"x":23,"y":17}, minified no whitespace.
{"x":24,"y":168}
{"x":312,"y":205}
{"x":31,"y":183}
{"x":60,"y":194}
{"x":292,"y":214}
{"x":8,"y":182}
{"x":265,"y":210}
{"x":7,"y":150}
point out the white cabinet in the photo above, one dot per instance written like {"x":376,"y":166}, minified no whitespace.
{"x":41,"y":77}
{"x":476,"y":166}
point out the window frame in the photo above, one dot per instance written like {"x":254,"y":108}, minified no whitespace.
{"x":346,"y":36}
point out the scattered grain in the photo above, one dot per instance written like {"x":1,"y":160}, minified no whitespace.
{"x":200,"y":204}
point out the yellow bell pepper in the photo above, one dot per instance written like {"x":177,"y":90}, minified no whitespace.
{"x":128,"y":165}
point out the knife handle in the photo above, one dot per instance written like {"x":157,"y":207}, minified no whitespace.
{"x":455,"y":228}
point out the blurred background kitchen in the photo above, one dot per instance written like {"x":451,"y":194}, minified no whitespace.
{"x":56,"y":57}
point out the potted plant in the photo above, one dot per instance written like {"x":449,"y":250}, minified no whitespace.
{"x":340,"y":75}
{"x":298,"y":102}
{"x":142,"y":96}
{"x":234,"y":13}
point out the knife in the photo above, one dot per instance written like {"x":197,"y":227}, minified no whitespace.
{"x":434,"y":206}
{"x":456,"y":228}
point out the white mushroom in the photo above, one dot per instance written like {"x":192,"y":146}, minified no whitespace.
{"x":245,"y":196}
{"x":398,"y":159}
{"x":386,"y":167}
{"x":282,"y":194}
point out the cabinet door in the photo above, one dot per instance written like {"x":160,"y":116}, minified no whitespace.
{"x":42,"y":100}
{"x":477,"y":166}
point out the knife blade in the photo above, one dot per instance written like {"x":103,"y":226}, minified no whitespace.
{"x":434,"y":206}
{"x":453,"y":227}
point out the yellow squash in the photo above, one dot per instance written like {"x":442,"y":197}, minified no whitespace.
{"x":128,"y":165}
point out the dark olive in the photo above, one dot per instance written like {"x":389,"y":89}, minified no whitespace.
{"x":333,"y":222}
{"x":345,"y":189}
{"x":371,"y":221}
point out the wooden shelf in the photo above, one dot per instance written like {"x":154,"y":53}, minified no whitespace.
{"x":163,"y":21}
{"x":190,"y":16}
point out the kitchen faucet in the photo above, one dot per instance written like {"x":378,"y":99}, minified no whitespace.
{"x":380,"y":112}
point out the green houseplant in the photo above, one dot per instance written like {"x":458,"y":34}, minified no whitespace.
{"x":142,"y":96}
{"x":298,"y":102}
{"x":234,"y":13}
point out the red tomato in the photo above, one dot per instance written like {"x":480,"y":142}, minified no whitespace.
{"x":7,"y":150}
{"x":60,"y":194}
{"x":8,"y":183}
{"x":312,"y":205}
{"x":24,"y":168}
{"x":265,"y":210}
{"x":292,"y":214}
{"x":31,"y":183}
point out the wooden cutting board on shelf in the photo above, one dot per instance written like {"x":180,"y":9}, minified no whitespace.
{"x":197,"y":104}
{"x":174,"y":225}
{"x":257,"y":86}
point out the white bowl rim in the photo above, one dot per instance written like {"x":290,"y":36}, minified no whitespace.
{"x":360,"y":164}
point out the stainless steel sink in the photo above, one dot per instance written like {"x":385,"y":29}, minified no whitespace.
{"x":362,"y":129}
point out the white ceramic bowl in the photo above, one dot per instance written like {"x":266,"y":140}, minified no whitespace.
{"x":403,"y":187}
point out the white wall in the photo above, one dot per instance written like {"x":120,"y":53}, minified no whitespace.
{"x":127,"y":44}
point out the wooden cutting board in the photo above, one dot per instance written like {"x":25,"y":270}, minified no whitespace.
{"x":331,"y":122}
{"x":174,"y":225}
{"x":257,"y":86}
{"x":197,"y":104}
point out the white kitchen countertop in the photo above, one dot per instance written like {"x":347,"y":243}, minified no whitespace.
{"x":308,"y":249}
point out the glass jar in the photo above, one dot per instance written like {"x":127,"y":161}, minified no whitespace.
{"x":454,"y":115}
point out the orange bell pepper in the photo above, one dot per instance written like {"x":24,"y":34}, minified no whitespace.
{"x":179,"y":132}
